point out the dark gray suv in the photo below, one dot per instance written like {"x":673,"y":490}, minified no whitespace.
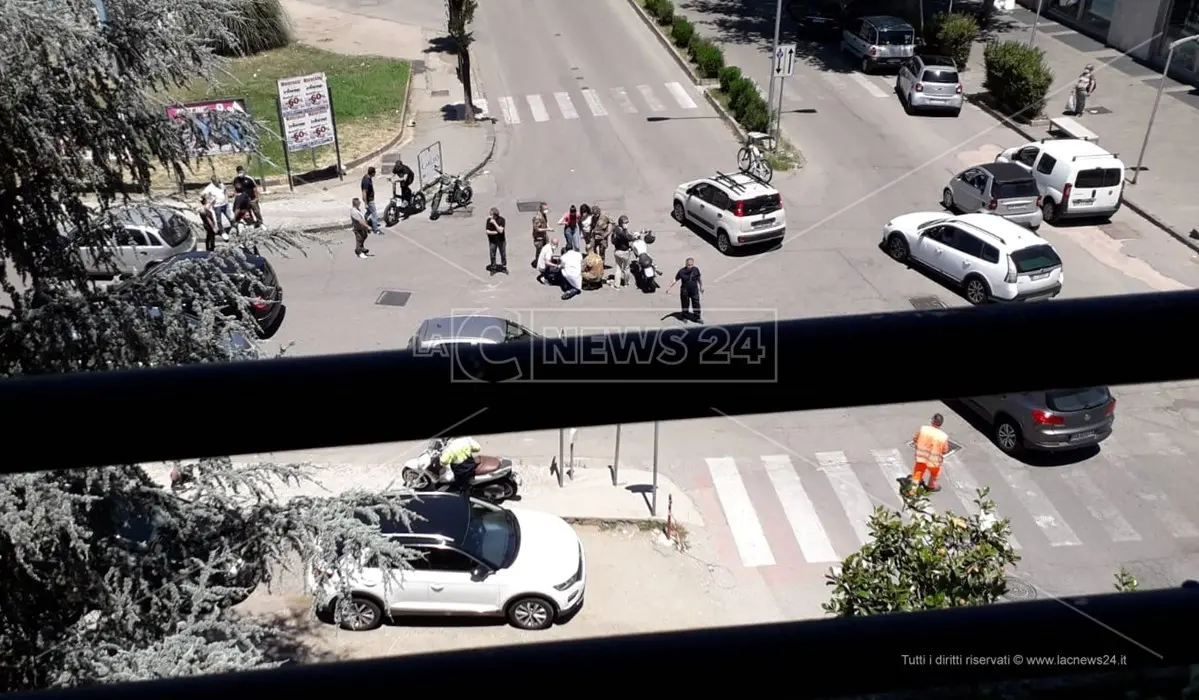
{"x":1048,"y":421}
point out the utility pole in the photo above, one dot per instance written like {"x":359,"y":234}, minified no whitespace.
{"x":778,"y":21}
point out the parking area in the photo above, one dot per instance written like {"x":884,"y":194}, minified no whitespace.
{"x":637,"y":583}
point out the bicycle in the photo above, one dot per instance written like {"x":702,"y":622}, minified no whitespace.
{"x":752,"y":160}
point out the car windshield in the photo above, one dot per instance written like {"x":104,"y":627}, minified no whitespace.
{"x":1015,"y":188}
{"x":1037,"y":257}
{"x":896,"y":37}
{"x":492,"y":536}
{"x":1069,"y":400}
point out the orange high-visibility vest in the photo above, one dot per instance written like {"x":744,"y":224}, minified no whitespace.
{"x":931,"y":445}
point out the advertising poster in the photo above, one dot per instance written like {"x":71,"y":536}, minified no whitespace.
{"x":207,"y":128}
{"x":306,"y":112}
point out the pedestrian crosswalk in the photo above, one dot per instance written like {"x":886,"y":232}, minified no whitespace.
{"x":779,"y":509}
{"x":593,"y":103}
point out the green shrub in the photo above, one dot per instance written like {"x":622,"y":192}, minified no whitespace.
{"x":651,"y":7}
{"x":741,"y":91}
{"x":728,"y":75}
{"x":709,"y":58}
{"x":665,"y":13}
{"x":953,"y":36}
{"x":255,"y":26}
{"x":755,"y":117}
{"x":1016,"y":78}
{"x":681,"y":31}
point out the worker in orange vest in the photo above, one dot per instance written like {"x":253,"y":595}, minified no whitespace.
{"x":931,"y":445}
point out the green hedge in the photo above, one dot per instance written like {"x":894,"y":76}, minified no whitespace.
{"x":953,"y":35}
{"x":1017,"y":78}
{"x":661,"y":10}
{"x":728,"y":74}
{"x":707,"y":57}
{"x":746,"y":104}
{"x":682,"y":31}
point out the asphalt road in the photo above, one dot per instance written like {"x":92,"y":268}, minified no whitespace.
{"x":1131,"y":504}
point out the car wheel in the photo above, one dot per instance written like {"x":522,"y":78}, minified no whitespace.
{"x":976,"y":290}
{"x":359,"y":614}
{"x":866,"y":65}
{"x":723,"y":244}
{"x":897,"y":248}
{"x":1007,"y":435}
{"x":947,"y":200}
{"x":531,"y":613}
{"x":1049,"y":211}
{"x":679,"y":214}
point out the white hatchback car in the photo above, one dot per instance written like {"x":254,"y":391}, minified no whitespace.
{"x":737,"y":209}
{"x":476,"y":559}
{"x":991,"y":258}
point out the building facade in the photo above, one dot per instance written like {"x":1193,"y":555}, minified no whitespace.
{"x":1141,"y":28}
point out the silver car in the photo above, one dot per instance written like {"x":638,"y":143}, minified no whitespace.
{"x":134,"y":238}
{"x":878,"y":41}
{"x":996,"y":188}
{"x":929,"y":83}
{"x":1048,"y":421}
{"x":440,"y":331}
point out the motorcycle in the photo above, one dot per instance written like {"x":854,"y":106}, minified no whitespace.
{"x":494,"y":480}
{"x":397,"y":205}
{"x":459,"y":194}
{"x":642,"y":265}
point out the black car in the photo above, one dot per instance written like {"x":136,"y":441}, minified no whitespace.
{"x":818,"y":19}
{"x":251,"y":272}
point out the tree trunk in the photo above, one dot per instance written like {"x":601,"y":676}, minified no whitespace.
{"x":467,"y":96}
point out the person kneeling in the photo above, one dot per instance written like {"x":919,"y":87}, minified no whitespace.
{"x":593,"y":270}
{"x":572,"y":274}
{"x":548,"y":271}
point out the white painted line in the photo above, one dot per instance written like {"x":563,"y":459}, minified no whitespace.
{"x":1161,"y":445}
{"x":1037,"y":504}
{"x":647,"y":94}
{"x":481,"y":104}
{"x":966,"y":487}
{"x":680,"y":95}
{"x":1175,"y":522}
{"x":537,"y":108}
{"x":1096,"y":501}
{"x":801,"y":514}
{"x":849,"y":491}
{"x":591,"y":97}
{"x":508,"y":109}
{"x":893,"y":469}
{"x":739,"y":513}
{"x":565,"y":105}
{"x":623,"y":101}
{"x":869,"y":85}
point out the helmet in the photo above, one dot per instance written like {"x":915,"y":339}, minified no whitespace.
{"x":649,"y":237}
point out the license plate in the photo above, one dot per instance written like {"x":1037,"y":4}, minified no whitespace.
{"x":1041,"y":276}
{"x":1083,"y":201}
{"x":763,"y":222}
{"x":1079,"y":437}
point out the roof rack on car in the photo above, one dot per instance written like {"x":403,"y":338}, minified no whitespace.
{"x":730,"y":180}
{"x":1095,"y":155}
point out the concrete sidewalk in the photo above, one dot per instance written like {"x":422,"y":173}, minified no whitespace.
{"x":1119,"y":113}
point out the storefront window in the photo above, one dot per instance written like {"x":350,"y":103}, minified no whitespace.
{"x":1098,"y":14}
{"x":1183,"y":22}
{"x":1068,"y":8}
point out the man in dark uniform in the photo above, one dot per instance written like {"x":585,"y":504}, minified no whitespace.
{"x":692,"y":286}
{"x":405,"y":176}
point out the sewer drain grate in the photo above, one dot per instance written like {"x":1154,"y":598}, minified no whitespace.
{"x":440,"y":93}
{"x":393,"y":298}
{"x":927,"y":303}
{"x":528,"y":206}
{"x":417,"y":67}
{"x":1019,"y":590}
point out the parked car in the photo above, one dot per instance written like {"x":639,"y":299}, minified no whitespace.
{"x":818,"y":19}
{"x":995,"y":188}
{"x":134,"y":238}
{"x":1075,"y":177}
{"x":1067,"y":419}
{"x":253,"y":274}
{"x":475,"y":558}
{"x":991,"y":258}
{"x":929,"y":83}
{"x":878,"y":41}
{"x":739,"y":210}
{"x":239,"y":346}
{"x":472,"y":329}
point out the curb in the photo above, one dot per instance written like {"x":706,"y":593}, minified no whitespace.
{"x":645,"y":523}
{"x":1157,"y":221}
{"x":665,"y":41}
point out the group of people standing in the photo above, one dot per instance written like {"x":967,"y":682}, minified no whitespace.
{"x":588,"y":232}
{"x":214,"y":208}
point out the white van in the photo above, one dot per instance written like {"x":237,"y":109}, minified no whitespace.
{"x":1076,"y":177}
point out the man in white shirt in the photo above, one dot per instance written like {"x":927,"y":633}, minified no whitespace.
{"x":220,"y":206}
{"x":572,"y":273}
{"x":547,"y":271}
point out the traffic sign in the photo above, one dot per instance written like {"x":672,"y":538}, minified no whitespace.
{"x":784,"y":61}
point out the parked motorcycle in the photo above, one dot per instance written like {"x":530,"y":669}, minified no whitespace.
{"x":495,"y":479}
{"x":642,"y":265}
{"x":458,"y":195}
{"x":397,"y":205}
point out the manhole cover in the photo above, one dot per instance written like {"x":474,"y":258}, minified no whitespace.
{"x":392,"y":298}
{"x":528,"y":206}
{"x":953,"y":447}
{"x":1119,"y":231}
{"x":1098,"y":110}
{"x":1019,"y":590}
{"x":927,"y":303}
{"x":440,"y":93}
{"x":417,"y":67}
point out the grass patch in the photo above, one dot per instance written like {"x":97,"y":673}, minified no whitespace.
{"x":368,"y":97}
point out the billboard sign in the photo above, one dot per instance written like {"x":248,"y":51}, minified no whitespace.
{"x":306,"y":111}
{"x":207,"y":127}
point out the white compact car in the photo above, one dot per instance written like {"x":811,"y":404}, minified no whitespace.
{"x":991,"y":258}
{"x":476,"y":559}
{"x":1075,"y":177}
{"x":737,"y":209}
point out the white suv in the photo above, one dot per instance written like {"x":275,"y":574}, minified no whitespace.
{"x":989,"y":256}
{"x":476,"y":559}
{"x":737,"y":209}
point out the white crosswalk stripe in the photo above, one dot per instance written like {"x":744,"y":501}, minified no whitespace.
{"x":565,"y":105}
{"x":647,"y":94}
{"x":623,"y":101}
{"x":508,"y":109}
{"x":828,"y":530}
{"x":537,"y":108}
{"x":867,"y":84}
{"x":680,"y":95}
{"x":593,"y":103}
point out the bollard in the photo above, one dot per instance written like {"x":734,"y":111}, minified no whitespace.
{"x":616,"y":458}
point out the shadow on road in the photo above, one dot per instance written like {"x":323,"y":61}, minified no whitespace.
{"x":442,"y":44}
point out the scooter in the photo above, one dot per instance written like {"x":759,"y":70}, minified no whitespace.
{"x":397,"y":205}
{"x":494,"y":480}
{"x":459,"y":194}
{"x":642,"y":265}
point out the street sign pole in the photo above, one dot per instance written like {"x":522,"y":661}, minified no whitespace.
{"x":774,"y":55}
{"x":784,"y":66}
{"x":778,"y":115}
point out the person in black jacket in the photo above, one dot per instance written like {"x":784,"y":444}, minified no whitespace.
{"x":693,"y":286}
{"x":496,"y":242}
{"x":622,"y":250}
{"x":405,"y":176}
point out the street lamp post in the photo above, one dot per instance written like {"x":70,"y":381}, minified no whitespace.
{"x":778,"y":22}
{"x":1157,"y":101}
{"x":1032,"y":34}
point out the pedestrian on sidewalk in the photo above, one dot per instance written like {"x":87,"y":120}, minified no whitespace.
{"x":497,"y":242}
{"x":368,"y":197}
{"x":220,"y":206}
{"x":243,"y":184}
{"x":570,"y":229}
{"x":208,"y":219}
{"x":361,"y":229}
{"x":692,"y":286}
{"x":1084,"y":87}
{"x":931,"y":446}
{"x":585,"y":223}
{"x":541,"y":231}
